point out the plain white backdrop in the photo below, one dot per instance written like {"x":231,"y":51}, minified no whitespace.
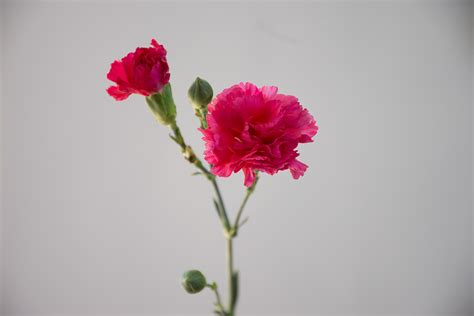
{"x":100,"y":215}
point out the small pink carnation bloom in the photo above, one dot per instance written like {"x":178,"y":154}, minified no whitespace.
{"x":252,"y":129}
{"x":144,"y":72}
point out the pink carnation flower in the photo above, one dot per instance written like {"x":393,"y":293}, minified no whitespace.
{"x":252,"y":129}
{"x":144,"y":72}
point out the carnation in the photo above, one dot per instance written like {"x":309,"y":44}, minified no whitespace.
{"x":256,"y":129}
{"x":245,"y":128}
{"x":144,"y":72}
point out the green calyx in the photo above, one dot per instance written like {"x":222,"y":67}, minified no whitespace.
{"x":162,"y":105}
{"x":193,"y":281}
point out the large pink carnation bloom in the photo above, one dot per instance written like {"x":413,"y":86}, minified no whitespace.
{"x":254,"y":129}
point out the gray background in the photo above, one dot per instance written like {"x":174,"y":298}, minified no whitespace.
{"x":100,"y":215}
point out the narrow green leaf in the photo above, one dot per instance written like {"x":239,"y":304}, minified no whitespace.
{"x":235,"y":290}
{"x":219,"y":211}
{"x":243,"y":222}
{"x":174,"y":139}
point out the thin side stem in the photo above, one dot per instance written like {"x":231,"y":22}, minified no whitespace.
{"x":241,"y":209}
{"x":219,"y":305}
{"x":249,"y":192}
{"x":218,"y":300}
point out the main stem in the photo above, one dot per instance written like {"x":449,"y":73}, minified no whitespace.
{"x":230,"y":230}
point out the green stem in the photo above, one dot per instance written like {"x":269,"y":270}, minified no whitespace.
{"x":192,"y":158}
{"x":250,"y":190}
{"x":219,"y":305}
{"x":230,"y":231}
{"x":241,"y":209}
{"x":178,"y":136}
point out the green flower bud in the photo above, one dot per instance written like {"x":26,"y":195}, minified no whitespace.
{"x":193,"y":281}
{"x":200,"y":94}
{"x":162,"y":105}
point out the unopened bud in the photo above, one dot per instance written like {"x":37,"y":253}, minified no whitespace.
{"x":200,"y":94}
{"x":193,"y":281}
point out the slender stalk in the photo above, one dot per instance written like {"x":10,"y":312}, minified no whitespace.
{"x":219,"y":305}
{"x":249,"y":192}
{"x":178,"y":137}
{"x":218,"y":300}
{"x":241,"y":209}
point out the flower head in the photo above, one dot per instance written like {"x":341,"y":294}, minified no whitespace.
{"x":144,"y":72}
{"x":256,"y":129}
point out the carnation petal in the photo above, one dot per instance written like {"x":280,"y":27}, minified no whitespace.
{"x":154,"y":43}
{"x":117,"y":93}
{"x":269,"y":91}
{"x":249,"y":176}
{"x":117,"y":72}
{"x":222,"y":171}
{"x":297,"y":168}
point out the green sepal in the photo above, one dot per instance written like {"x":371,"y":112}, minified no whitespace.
{"x":162,"y":106}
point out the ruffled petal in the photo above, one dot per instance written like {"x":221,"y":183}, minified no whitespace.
{"x":117,"y":93}
{"x":154,"y":43}
{"x":269,"y":91}
{"x":117,"y":72}
{"x":297,"y":169}
{"x":249,"y":176}
{"x":222,"y":171}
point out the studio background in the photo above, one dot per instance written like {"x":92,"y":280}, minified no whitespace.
{"x":100,"y":215}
